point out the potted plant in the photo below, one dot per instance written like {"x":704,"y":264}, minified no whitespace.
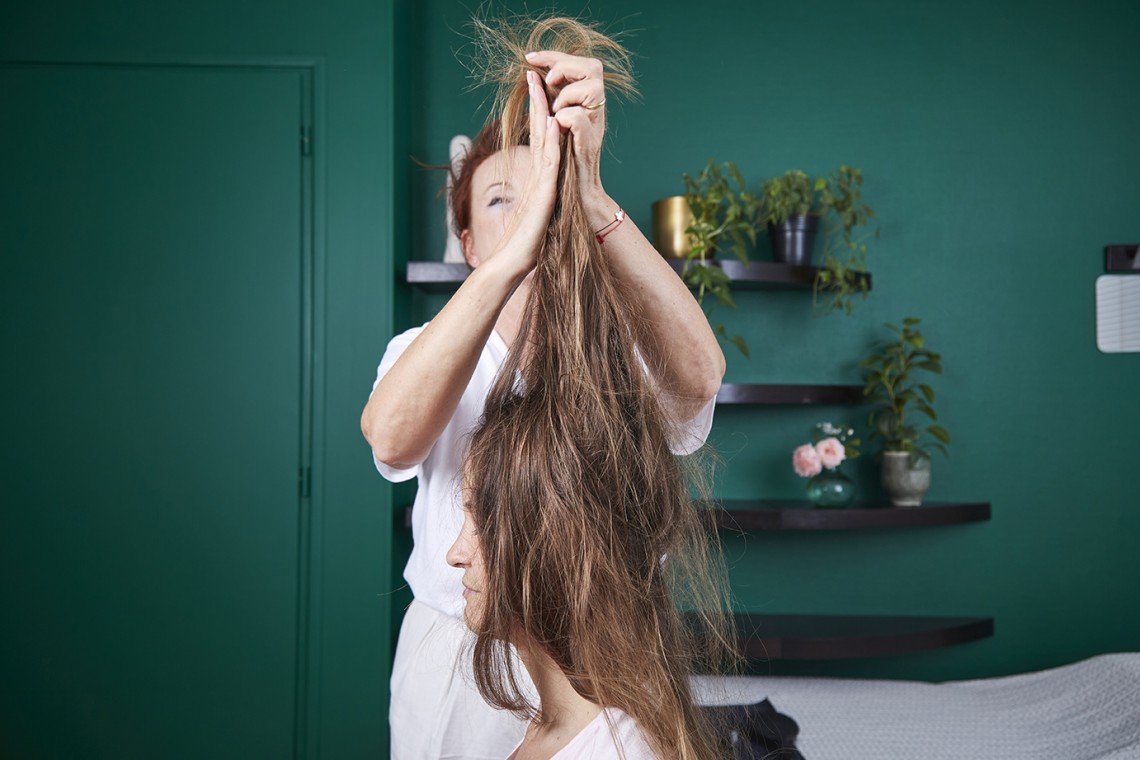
{"x":791,"y":210}
{"x":793,"y":205}
{"x":897,"y":398}
{"x":724,"y":218}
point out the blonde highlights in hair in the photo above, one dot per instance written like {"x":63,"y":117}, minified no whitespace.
{"x":584,"y":515}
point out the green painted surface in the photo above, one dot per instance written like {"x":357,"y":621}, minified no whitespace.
{"x":999,"y":146}
{"x":191,"y":311}
{"x":152,"y":527}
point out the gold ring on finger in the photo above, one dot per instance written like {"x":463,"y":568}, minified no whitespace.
{"x":595,"y":107}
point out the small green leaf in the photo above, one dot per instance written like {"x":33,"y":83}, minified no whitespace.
{"x":740,"y":344}
{"x":939,"y":433}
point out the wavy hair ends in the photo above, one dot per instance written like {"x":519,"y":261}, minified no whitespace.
{"x":584,"y":515}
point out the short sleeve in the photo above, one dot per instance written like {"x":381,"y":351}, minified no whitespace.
{"x":392,"y":354}
{"x":692,"y":435}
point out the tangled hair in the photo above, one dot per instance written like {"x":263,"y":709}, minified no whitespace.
{"x":585,"y":519}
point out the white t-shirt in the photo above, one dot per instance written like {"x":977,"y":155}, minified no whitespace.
{"x":598,"y":741}
{"x":437,"y":513}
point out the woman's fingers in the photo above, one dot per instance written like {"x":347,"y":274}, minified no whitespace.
{"x":536,"y":199}
{"x":578,"y":105}
{"x":543,"y":149}
{"x":539,"y":111}
{"x":577,"y":108}
{"x":551,"y":151}
{"x":562,"y":68}
{"x":587,"y":93}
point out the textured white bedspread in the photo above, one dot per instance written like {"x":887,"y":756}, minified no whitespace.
{"x":1090,"y":709}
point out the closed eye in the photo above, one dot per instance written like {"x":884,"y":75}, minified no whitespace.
{"x":497,"y":200}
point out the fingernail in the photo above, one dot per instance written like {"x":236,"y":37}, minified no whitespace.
{"x":530,"y":55}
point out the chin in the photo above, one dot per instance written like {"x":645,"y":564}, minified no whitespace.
{"x":472,"y":618}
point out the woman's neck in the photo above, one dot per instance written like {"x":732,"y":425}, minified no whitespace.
{"x":563,"y":712}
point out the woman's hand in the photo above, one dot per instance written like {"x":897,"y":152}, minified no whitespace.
{"x":578,"y":108}
{"x":531,"y":220}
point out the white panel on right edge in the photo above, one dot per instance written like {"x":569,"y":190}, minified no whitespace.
{"x":1118,"y":313}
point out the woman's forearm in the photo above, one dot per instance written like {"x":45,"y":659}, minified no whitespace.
{"x":415,"y":400}
{"x":674,"y":335}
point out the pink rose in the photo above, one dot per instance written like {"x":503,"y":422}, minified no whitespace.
{"x":806,"y":461}
{"x":831,"y":452}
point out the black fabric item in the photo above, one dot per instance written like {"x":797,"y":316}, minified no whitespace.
{"x":755,"y":732}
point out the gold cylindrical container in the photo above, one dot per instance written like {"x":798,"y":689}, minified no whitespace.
{"x":671,"y":217}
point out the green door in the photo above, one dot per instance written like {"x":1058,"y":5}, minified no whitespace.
{"x":154,"y":312}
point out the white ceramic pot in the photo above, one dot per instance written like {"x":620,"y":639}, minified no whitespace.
{"x":905,"y":484}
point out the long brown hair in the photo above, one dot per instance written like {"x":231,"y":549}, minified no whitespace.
{"x":589,"y":534}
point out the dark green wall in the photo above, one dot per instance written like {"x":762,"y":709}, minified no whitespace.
{"x":999,"y":145}
{"x":344,"y":564}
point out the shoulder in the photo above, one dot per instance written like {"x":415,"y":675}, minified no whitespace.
{"x":633,"y":742}
{"x":613,"y":735}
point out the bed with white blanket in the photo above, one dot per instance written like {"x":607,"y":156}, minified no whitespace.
{"x":1090,"y":709}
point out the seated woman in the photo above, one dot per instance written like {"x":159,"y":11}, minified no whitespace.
{"x":580,"y":539}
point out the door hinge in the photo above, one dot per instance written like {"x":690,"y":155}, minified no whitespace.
{"x":305,"y":482}
{"x":306,"y":140}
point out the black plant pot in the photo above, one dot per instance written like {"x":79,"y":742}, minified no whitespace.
{"x":794,"y":239}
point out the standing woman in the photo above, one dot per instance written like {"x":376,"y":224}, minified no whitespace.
{"x":433,"y":380}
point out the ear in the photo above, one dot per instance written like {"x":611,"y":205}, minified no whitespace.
{"x":468,"y":244}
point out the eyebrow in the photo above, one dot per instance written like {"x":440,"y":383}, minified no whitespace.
{"x":493,"y":185}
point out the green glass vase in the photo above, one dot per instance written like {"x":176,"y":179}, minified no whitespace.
{"x":831,"y":489}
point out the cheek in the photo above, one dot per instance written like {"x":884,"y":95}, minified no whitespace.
{"x":477,"y":571}
{"x":493,"y":220}
{"x":473,"y":610}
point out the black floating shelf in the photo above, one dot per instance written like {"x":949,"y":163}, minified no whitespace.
{"x":436,"y":276}
{"x":838,"y":637}
{"x":764,"y":274}
{"x":756,"y":515}
{"x":1122,"y":258}
{"x":759,"y":515}
{"x":789,"y":394}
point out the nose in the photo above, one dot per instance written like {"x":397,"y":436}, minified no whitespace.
{"x":457,"y":555}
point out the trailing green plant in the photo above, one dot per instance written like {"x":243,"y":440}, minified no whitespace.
{"x":897,"y":397}
{"x":839,"y":202}
{"x":724,"y":219}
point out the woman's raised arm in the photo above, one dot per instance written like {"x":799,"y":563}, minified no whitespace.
{"x":674,"y":335}
{"x":414,"y":401}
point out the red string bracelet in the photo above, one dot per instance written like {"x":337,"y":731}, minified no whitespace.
{"x":601,"y":234}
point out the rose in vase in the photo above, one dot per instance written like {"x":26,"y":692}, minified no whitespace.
{"x":827,"y":486}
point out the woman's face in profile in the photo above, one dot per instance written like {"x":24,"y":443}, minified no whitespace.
{"x":495,"y":189}
{"x":466,"y":555}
